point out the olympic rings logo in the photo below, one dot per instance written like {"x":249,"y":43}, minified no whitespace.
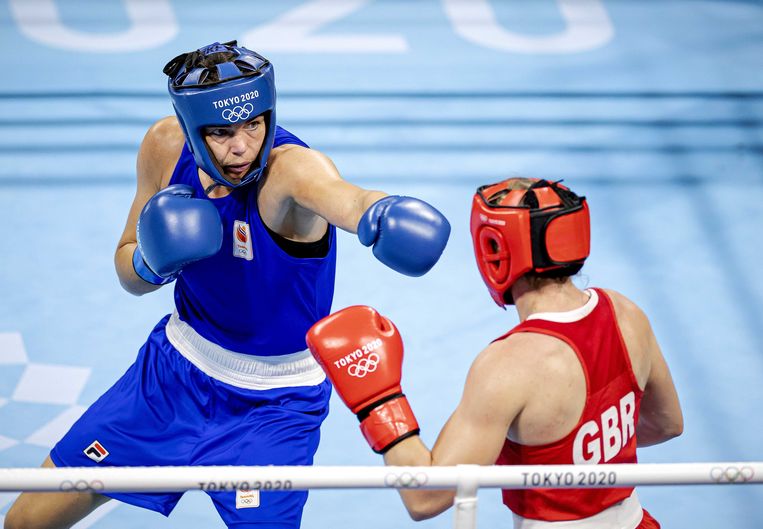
{"x":406,"y":480}
{"x":238,"y":113}
{"x":364,"y":366}
{"x":81,"y":486}
{"x":732,"y":474}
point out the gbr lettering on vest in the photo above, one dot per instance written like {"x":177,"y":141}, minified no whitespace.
{"x":603,"y":439}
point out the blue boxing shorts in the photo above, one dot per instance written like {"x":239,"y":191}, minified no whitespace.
{"x":188,"y":401}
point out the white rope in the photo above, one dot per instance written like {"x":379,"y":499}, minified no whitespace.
{"x":177,"y":479}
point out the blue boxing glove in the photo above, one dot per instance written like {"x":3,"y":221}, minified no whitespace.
{"x":175,"y":229}
{"x":407,"y":234}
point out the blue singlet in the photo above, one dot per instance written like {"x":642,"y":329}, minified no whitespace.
{"x":252,"y":297}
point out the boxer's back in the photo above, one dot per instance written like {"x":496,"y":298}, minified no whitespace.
{"x":555,"y":405}
{"x":581,"y":409}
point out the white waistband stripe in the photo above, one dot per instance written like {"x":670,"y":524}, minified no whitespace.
{"x":626,"y":514}
{"x":242,"y":370}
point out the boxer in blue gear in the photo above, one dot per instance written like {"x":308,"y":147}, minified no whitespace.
{"x":241,"y":215}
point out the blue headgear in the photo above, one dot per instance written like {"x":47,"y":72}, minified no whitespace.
{"x":219,"y":85}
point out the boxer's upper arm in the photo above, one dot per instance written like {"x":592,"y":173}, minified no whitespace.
{"x":494,"y":394}
{"x":310,"y":179}
{"x":157,"y":156}
{"x":660,"y":416}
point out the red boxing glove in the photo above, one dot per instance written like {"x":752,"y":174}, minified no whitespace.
{"x":362,"y":353}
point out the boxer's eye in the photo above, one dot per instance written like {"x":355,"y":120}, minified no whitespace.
{"x":218,"y":132}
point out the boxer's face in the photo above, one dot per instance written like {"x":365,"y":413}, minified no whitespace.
{"x":235,"y":147}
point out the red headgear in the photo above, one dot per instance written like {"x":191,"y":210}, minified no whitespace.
{"x":515,"y":231}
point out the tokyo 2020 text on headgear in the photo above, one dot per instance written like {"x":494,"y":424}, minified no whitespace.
{"x":544,"y":229}
{"x":220,"y":85}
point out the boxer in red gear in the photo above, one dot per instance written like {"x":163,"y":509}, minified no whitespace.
{"x":580,"y":380}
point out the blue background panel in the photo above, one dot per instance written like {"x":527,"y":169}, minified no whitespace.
{"x":654,"y":111}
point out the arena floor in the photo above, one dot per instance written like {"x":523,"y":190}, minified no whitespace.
{"x":653,"y":110}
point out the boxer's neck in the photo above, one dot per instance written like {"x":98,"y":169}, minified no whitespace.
{"x":548,"y":296}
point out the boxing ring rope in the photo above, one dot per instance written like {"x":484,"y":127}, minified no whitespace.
{"x":466,"y":479}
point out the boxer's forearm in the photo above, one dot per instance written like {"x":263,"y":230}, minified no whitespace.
{"x":126,"y":273}
{"x":421,"y":503}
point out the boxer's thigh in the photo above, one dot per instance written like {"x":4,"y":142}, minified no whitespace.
{"x":275,"y":427}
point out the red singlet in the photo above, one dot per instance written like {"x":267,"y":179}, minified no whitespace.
{"x":606,"y":430}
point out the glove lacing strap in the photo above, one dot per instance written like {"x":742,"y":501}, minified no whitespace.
{"x":363,"y":414}
{"x":388,"y":422}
